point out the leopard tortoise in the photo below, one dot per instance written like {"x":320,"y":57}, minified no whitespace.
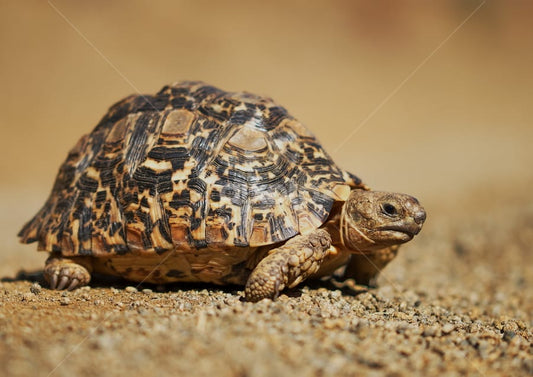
{"x":195,"y":184}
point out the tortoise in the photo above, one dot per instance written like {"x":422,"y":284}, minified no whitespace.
{"x":195,"y":184}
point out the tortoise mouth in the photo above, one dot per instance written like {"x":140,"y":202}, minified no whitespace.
{"x":409,"y":230}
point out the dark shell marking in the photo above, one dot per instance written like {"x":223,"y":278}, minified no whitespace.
{"x":192,"y":167}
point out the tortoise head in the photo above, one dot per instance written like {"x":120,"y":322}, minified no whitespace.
{"x":373,"y":220}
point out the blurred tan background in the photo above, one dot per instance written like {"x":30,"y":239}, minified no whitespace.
{"x":457,"y":133}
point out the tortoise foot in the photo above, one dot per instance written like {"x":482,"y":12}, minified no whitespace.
{"x":64,"y":273}
{"x":287,"y":265}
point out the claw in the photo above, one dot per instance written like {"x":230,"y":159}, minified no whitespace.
{"x":276,"y":290}
{"x":73,"y":284}
{"x":53,"y":281}
{"x":62,"y":283}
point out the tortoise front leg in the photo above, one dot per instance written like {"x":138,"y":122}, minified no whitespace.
{"x":287,"y":265}
{"x":365,"y":268}
{"x":67,"y":273}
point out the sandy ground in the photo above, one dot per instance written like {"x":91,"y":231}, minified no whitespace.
{"x":413,"y":98}
{"x":457,"y":302}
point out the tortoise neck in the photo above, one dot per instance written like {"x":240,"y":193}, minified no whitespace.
{"x":333,"y":224}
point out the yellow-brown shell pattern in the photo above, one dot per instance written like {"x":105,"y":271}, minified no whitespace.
{"x":190,"y":168}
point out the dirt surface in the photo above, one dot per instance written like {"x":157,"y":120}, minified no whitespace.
{"x":458,"y":301}
{"x":428,"y":98}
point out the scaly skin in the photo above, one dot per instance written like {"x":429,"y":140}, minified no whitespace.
{"x":288,"y":265}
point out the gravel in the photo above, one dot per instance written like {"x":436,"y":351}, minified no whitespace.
{"x":456,"y":302}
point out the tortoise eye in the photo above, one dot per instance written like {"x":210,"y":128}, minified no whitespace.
{"x":389,"y":209}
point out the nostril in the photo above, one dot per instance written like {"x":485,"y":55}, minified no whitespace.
{"x":420,"y":216}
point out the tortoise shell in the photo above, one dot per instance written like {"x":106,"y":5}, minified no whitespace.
{"x":189,"y":168}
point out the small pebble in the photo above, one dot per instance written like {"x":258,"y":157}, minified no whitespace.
{"x":65,"y":301}
{"x":447,"y":328}
{"x":473,"y":340}
{"x":130,"y":289}
{"x":508,"y":335}
{"x":430,"y":331}
{"x":27,"y":296}
{"x":35,"y":288}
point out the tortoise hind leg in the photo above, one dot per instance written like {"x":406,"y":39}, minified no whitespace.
{"x":67,"y":273}
{"x":288,"y":265}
